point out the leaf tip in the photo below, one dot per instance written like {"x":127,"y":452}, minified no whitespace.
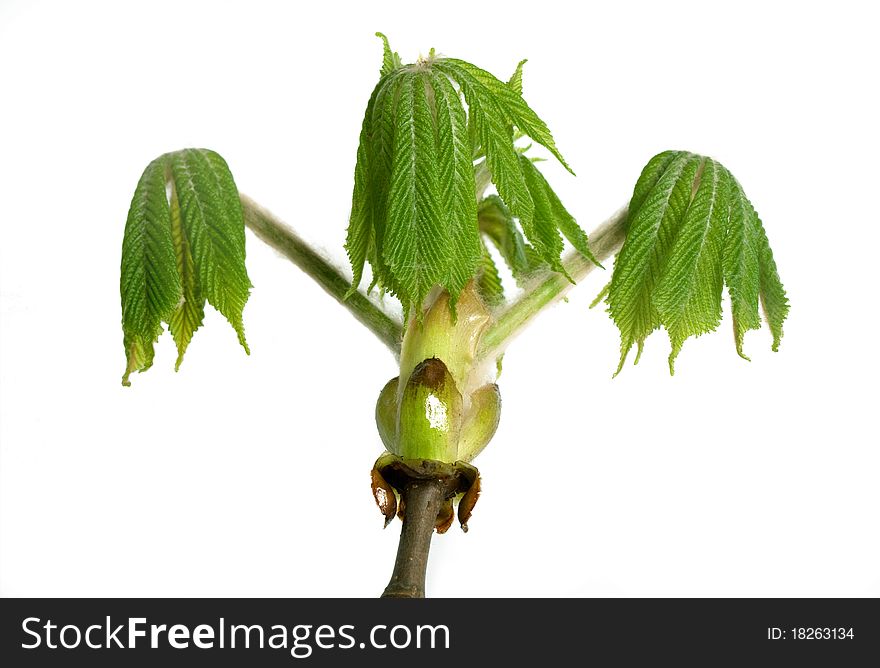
{"x":639,"y":350}
{"x":603,"y":293}
{"x":671,"y":360}
{"x":739,"y":351}
{"x":624,"y":353}
{"x":351,"y":291}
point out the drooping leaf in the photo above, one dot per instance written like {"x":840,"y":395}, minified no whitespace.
{"x":381,"y":162}
{"x":688,"y":293}
{"x":556,"y":214}
{"x":513,"y":106}
{"x":497,"y":223}
{"x":488,"y":279}
{"x":542,"y":231}
{"x":178,"y":252}
{"x":652,"y":228}
{"x":691,"y":229}
{"x":491,"y":125}
{"x":418,"y":240}
{"x":359,"y":235}
{"x":458,"y":201}
{"x":750,"y":271}
{"x":149,"y":284}
{"x":655,"y":168}
{"x":190,"y":312}
{"x":214,"y":225}
{"x":414,"y":211}
{"x":774,"y":301}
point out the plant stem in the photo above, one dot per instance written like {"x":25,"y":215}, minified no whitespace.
{"x":422,"y":501}
{"x":545,"y":289}
{"x":283,"y":239}
{"x":551,"y":286}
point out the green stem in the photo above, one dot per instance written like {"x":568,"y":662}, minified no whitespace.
{"x":513,"y":317}
{"x":283,"y":239}
{"x":551,"y":286}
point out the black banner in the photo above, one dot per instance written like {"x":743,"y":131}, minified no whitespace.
{"x":289,"y":632}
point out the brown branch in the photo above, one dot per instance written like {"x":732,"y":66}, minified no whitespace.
{"x":422,"y":501}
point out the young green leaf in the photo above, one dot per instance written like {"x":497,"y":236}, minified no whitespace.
{"x":190,"y":312}
{"x":417,"y":237}
{"x":414,"y":203}
{"x":508,"y":99}
{"x":542,"y":231}
{"x":691,"y":229}
{"x":359,"y":235}
{"x":149,"y":284}
{"x":498,"y":225}
{"x":555,"y":214}
{"x":492,"y":129}
{"x":688,"y":293}
{"x":390,"y":59}
{"x":488,"y":280}
{"x":458,"y":201}
{"x":381,"y":161}
{"x":750,"y":271}
{"x":515,"y":81}
{"x":214,"y":225}
{"x":178,"y":253}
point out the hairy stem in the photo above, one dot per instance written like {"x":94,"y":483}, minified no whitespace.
{"x":544,"y":290}
{"x":605,"y":240}
{"x":422,"y":501}
{"x":283,"y":239}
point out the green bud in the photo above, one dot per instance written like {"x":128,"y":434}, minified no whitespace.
{"x":444,"y":406}
{"x":451,"y":338}
{"x":386,"y":416}
{"x":480,"y":422}
{"x":430,"y":414}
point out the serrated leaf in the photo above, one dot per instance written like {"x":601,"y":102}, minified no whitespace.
{"x":652,"y":228}
{"x":149,"y":283}
{"x":190,"y":312}
{"x":688,"y":293}
{"x":456,"y":179}
{"x":542,"y":230}
{"x":381,"y":155}
{"x":492,"y":129}
{"x":178,"y":251}
{"x":488,"y":280}
{"x":390,"y":59}
{"x":750,"y":272}
{"x":414,"y":202}
{"x":556,"y":211}
{"x":655,"y":168}
{"x":497,"y":223}
{"x":516,"y":82}
{"x":214,"y":225}
{"x":691,"y":230}
{"x":359,"y":235}
{"x":773,"y":298}
{"x":417,"y":241}
{"x":513,"y":106}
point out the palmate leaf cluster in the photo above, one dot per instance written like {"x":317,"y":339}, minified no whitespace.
{"x":691,"y":230}
{"x":424,"y":158}
{"x":184,"y":245}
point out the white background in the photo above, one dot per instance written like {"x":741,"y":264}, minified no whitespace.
{"x":249,"y":475}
